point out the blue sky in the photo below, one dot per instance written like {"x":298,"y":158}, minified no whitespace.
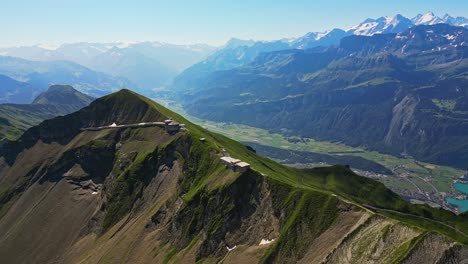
{"x":194,"y":21}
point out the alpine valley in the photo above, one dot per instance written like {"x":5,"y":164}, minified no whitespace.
{"x":399,"y":93}
{"x":390,"y":90}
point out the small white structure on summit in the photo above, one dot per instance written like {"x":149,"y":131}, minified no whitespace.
{"x":172,"y":126}
{"x":113,"y":125}
{"x":235,"y":164}
{"x":242,"y":166}
{"x":229,"y":161}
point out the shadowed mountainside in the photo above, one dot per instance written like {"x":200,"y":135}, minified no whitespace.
{"x":57,"y":100}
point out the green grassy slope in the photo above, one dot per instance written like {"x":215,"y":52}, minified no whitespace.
{"x":208,"y":200}
{"x":57,"y":100}
{"x":340,"y":181}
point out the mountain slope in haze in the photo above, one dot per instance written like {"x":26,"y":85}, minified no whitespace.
{"x":315,"y":39}
{"x":141,"y":195}
{"x":13,"y":91}
{"x":397,"y":93}
{"x":42,"y":74}
{"x":175,"y":57}
{"x":142,"y":70}
{"x":232,"y":56}
{"x":224,"y":59}
{"x":148,"y":65}
{"x":63,"y":95}
{"x":57,"y":100}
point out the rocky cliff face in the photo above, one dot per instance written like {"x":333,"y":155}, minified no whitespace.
{"x":141,"y":195}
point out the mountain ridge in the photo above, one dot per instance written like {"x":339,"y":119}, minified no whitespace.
{"x":63,"y":94}
{"x":14,"y":91}
{"x":289,"y":90}
{"x":171,"y":191}
{"x":147,"y":64}
{"x":57,"y":100}
{"x":232,"y":57}
{"x":42,"y":74}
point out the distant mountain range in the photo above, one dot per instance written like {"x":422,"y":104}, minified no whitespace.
{"x":41,"y":74}
{"x":399,"y":93}
{"x":13,"y":91}
{"x":238,"y":52}
{"x":400,"y":23}
{"x":146,"y":64}
{"x":57,"y":100}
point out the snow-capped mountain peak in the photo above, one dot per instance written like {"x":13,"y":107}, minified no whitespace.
{"x":320,"y":35}
{"x":313,"y":36}
{"x":381,"y":25}
{"x":396,"y":19}
{"x":370,"y":26}
{"x":367,"y":27}
{"x":448,"y":19}
{"x":236,"y":42}
{"x":428,"y":18}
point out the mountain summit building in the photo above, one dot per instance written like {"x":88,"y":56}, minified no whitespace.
{"x":235,"y":164}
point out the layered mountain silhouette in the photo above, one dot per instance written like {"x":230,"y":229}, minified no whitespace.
{"x":147,"y":65}
{"x":232,"y":56}
{"x":57,"y":100}
{"x":40,"y":75}
{"x":13,"y":91}
{"x":397,"y":93}
{"x":63,"y":95}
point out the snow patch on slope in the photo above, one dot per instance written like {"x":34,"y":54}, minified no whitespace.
{"x":266,"y":242}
